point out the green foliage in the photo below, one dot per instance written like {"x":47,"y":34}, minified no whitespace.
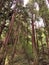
{"x":23,"y":52}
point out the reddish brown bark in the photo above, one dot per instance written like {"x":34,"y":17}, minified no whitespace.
{"x":10,"y":29}
{"x":33,"y":34}
{"x":4,"y":46}
{"x":34,"y":44}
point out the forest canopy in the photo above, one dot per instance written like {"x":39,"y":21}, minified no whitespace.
{"x":24,"y":32}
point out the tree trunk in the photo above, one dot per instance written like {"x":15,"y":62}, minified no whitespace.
{"x":34,"y":44}
{"x":4,"y":46}
{"x":14,"y":47}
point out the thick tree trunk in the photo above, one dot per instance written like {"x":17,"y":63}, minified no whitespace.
{"x":10,"y":29}
{"x":34,"y":44}
{"x":4,"y":46}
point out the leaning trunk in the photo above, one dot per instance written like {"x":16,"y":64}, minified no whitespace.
{"x":4,"y":46}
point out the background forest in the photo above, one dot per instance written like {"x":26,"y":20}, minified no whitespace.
{"x":24,"y":32}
